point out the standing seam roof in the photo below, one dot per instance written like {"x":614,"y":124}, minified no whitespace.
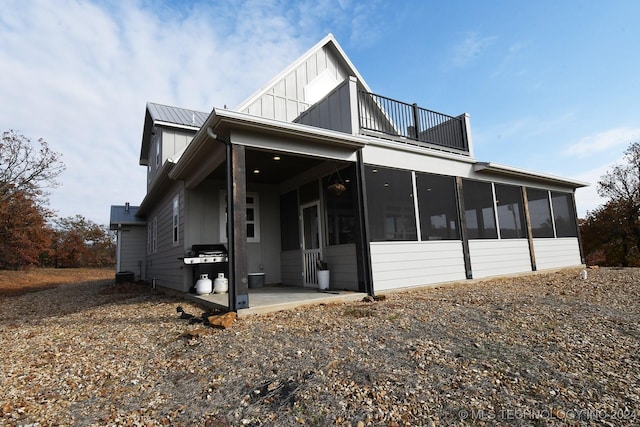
{"x":175,"y":115}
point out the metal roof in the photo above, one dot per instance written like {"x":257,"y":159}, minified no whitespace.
{"x":124,"y":215}
{"x":175,"y":115}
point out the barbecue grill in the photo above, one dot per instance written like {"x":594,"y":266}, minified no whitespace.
{"x":210,"y":259}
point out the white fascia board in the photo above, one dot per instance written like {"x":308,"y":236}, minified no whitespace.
{"x":175,"y":125}
{"x":247,"y":121}
{"x":226,"y":119}
{"x":495,"y":168}
{"x":328,"y":39}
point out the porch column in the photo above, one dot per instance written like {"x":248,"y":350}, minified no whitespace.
{"x":363,"y":251}
{"x":237,"y":227}
{"x":462,"y":216}
{"x":575,"y":213}
{"x":527,"y":221}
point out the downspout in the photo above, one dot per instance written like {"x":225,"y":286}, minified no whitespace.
{"x":118,"y":248}
{"x":230,"y":221}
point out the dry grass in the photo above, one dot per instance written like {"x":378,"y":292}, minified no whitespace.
{"x":37,"y":279}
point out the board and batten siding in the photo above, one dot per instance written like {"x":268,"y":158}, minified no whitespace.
{"x":491,"y":257}
{"x":342,"y":263}
{"x":132,"y":244}
{"x":291,"y":265}
{"x":405,"y":264}
{"x":303,"y":86}
{"x":557,"y":253}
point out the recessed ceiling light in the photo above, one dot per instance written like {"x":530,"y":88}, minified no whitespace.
{"x":276,"y":157}
{"x":256,"y":171}
{"x":375,"y":171}
{"x":386,"y":184}
{"x":347,"y":180}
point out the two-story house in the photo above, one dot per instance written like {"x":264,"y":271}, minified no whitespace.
{"x":314,"y":166}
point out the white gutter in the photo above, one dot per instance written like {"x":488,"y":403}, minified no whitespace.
{"x":495,"y":168}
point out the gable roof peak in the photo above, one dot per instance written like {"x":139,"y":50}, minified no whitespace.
{"x":328,"y":40}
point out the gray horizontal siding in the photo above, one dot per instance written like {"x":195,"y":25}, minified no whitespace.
{"x":133,"y":249}
{"x":165,"y":264}
{"x":342,"y":263}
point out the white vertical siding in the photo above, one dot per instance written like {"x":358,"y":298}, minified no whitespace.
{"x":291,"y":264}
{"x":492,"y":257}
{"x":286,"y":98}
{"x":557,"y":253}
{"x":404,"y":264}
{"x":342,"y":263}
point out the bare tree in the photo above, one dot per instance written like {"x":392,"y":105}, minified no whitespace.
{"x":611,"y":233}
{"x":26,"y":166}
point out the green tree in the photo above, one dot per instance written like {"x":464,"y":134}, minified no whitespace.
{"x":611,"y":233}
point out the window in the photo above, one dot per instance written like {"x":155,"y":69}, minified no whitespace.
{"x":390,"y":204}
{"x":510,"y":212}
{"x":564,"y":214}
{"x":340,"y":206}
{"x":539,"y":212}
{"x":253,"y":218}
{"x":479,"y":213}
{"x":176,"y":220}
{"x":154,"y":236}
{"x":438,"y":207}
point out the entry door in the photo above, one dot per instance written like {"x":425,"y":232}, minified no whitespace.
{"x":311,"y":251}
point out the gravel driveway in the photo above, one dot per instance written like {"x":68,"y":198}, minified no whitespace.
{"x":543,"y":349}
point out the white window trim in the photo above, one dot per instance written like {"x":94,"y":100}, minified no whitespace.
{"x":158,"y":154}
{"x":154,"y":237}
{"x":256,"y":215}
{"x":175,"y":221}
{"x":149,"y":238}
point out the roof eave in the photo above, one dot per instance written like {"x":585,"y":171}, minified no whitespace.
{"x":494,"y":168}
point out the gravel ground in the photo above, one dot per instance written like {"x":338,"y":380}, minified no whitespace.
{"x":543,"y":349}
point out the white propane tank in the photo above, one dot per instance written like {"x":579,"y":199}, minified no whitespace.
{"x":221,"y":284}
{"x":203,"y":285}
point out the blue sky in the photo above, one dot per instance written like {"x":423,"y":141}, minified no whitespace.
{"x":550,"y":86}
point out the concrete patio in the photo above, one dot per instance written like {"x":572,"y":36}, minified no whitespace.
{"x":277,"y":298}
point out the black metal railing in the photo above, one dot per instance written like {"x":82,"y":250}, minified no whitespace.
{"x":395,"y":118}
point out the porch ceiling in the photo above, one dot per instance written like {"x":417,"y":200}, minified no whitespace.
{"x":269,"y":169}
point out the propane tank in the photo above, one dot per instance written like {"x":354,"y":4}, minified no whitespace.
{"x":221,"y":284}
{"x":203,"y":285}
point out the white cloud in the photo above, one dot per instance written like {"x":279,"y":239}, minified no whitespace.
{"x":611,"y":139}
{"x":468,"y":50}
{"x":79,"y":74}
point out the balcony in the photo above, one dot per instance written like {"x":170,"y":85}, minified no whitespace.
{"x":387,"y":118}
